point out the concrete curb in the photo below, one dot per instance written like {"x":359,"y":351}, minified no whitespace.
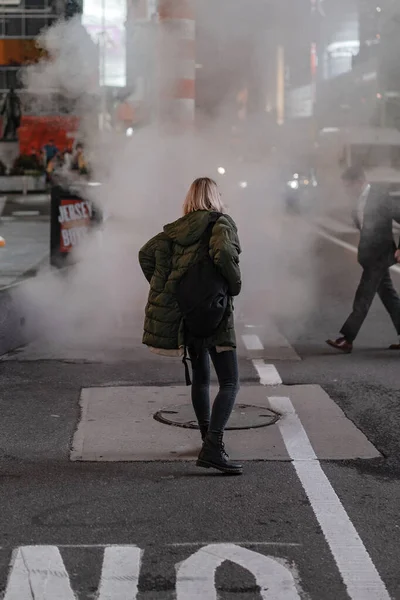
{"x":15,"y":329}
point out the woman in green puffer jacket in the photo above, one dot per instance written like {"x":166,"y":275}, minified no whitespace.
{"x":164,"y":260}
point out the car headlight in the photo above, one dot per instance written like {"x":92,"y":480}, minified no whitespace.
{"x":294,"y":185}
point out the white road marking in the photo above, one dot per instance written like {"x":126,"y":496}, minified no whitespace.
{"x":182,"y":544}
{"x":25,"y":213}
{"x":120,"y":573}
{"x":38,"y":573}
{"x":268,"y":374}
{"x":338,"y":242}
{"x":195,"y":578}
{"x":335,"y":225}
{"x":192,"y":544}
{"x":359,"y":574}
{"x":252,"y":342}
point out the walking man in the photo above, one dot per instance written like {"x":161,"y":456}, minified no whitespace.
{"x":377,"y":252}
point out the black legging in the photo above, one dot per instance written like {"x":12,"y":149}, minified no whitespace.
{"x":226,"y":367}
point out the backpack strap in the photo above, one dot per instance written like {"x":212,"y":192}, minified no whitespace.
{"x":214,"y":216}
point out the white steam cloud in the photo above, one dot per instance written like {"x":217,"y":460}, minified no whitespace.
{"x":144,"y":181}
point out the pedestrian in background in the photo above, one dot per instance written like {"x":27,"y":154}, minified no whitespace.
{"x":67,"y":159}
{"x":377,"y":252}
{"x":50,"y":150}
{"x":78,"y":162}
{"x":35,"y":160}
{"x":193,"y":271}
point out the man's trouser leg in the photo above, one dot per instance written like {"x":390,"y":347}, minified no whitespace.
{"x":366,"y":291}
{"x":390,"y":300}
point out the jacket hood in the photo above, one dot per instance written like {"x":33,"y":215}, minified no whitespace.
{"x":188,"y":229}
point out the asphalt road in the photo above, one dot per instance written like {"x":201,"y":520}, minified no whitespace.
{"x":180,"y":517}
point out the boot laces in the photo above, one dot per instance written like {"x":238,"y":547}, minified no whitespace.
{"x":223,"y":450}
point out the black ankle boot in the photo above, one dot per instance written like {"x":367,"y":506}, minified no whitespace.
{"x":213,"y":455}
{"x":203,"y":431}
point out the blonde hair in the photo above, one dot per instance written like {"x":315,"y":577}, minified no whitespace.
{"x":203,"y":194}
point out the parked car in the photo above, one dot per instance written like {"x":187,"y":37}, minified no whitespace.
{"x":300,"y":191}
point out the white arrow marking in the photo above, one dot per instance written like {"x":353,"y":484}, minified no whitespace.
{"x":120,"y":573}
{"x":196,"y":576}
{"x":38,"y":573}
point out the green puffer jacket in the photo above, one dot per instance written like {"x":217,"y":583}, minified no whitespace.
{"x":166,"y":257}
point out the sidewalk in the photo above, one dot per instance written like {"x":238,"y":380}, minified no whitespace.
{"x":27,"y":247}
{"x":15,"y":205}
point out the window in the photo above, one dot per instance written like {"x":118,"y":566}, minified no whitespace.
{"x":9,"y":78}
{"x":35,"y":25}
{"x":374,"y":156}
{"x":73,"y":7}
{"x":52,"y":20}
{"x":35,"y":4}
{"x":13,"y":26}
{"x":3,"y":80}
{"x":12,"y":79}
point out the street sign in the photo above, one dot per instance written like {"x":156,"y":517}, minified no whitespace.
{"x":70,"y":223}
{"x":72,"y":217}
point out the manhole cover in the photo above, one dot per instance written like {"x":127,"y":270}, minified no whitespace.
{"x":244,"y":416}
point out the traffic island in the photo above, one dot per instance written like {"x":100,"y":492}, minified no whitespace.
{"x":117,"y":424}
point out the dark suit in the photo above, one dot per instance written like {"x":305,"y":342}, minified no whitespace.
{"x":376,"y":252}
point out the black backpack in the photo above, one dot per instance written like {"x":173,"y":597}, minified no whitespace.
{"x":202,"y":296}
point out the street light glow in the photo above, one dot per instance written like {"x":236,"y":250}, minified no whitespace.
{"x":221,"y":170}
